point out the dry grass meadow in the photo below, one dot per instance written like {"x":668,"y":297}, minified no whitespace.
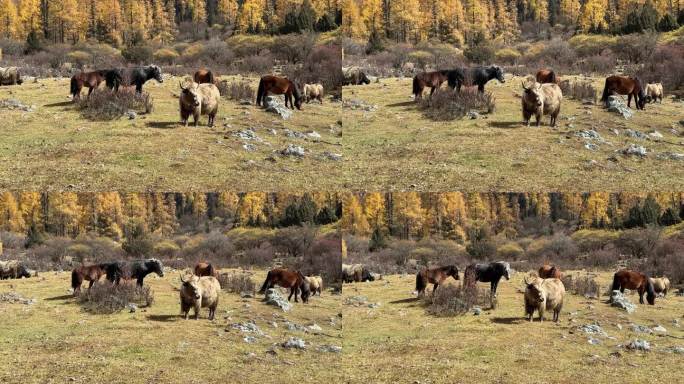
{"x":496,"y":152}
{"x":397,"y":342}
{"x":54,"y":341}
{"x":54,"y":147}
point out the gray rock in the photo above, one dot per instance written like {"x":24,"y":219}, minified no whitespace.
{"x":247,"y":327}
{"x":591,"y":146}
{"x":132,"y":307}
{"x":634,"y":150}
{"x":617,"y":299}
{"x":131,"y":115}
{"x":678,"y":350}
{"x":617,"y":105}
{"x":332,"y":156}
{"x":273,"y":297}
{"x":294,"y":134}
{"x":294,"y":342}
{"x":659,"y":328}
{"x":635,"y":134}
{"x":641,"y":328}
{"x":249,"y":147}
{"x":593,"y":329}
{"x":275,"y":105}
{"x":655,"y":135}
{"x":330,"y":348}
{"x":593,"y":341}
{"x":315,"y":327}
{"x":374,"y":305}
{"x":247,"y":134}
{"x":246,"y":295}
{"x":293,"y":150}
{"x":670,"y":156}
{"x":477,"y":311}
{"x":14,"y":104}
{"x":356,"y":300}
{"x":313,"y":135}
{"x":639,"y":345}
{"x":590,"y":135}
{"x":472,"y":115}
{"x":249,"y":339}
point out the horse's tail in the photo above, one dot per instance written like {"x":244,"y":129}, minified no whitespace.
{"x":211,"y":79}
{"x":616,"y":283}
{"x":416,"y":86}
{"x":268,"y":279}
{"x":606,"y":92}
{"x":75,"y":279}
{"x":420,"y":282}
{"x":74,"y":87}
{"x":260,"y":91}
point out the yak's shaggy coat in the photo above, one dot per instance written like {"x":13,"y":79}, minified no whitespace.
{"x":199,"y":99}
{"x":541,"y":99}
{"x":199,"y":292}
{"x":542,"y":295}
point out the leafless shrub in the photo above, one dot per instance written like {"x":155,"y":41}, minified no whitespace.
{"x":107,"y":298}
{"x":456,"y":300}
{"x":446,"y":104}
{"x":236,"y":90}
{"x":578,"y":90}
{"x":581,"y":285}
{"x":104,"y":104}
{"x":237,"y":282}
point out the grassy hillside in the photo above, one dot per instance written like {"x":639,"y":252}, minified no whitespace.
{"x":53,"y":340}
{"x":399,"y":342}
{"x":498,"y":152}
{"x":54,"y":147}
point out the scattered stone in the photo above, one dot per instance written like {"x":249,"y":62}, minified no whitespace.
{"x":249,"y":339}
{"x":615,"y":132}
{"x":293,"y":150}
{"x":678,"y":350}
{"x":247,"y":327}
{"x":247,"y":134}
{"x":472,"y":115}
{"x":15,"y":298}
{"x":315,"y":327}
{"x":14,"y":104}
{"x":294,"y":342}
{"x":670,"y":156}
{"x":634,"y":149}
{"x":294,"y":134}
{"x":249,"y":147}
{"x":313,"y":135}
{"x":641,"y":329}
{"x":617,"y":105}
{"x":355,"y":104}
{"x":617,"y":299}
{"x":330,"y":348}
{"x":275,"y":105}
{"x":593,"y":341}
{"x":132,"y":307}
{"x":245,"y":102}
{"x":589,"y":135}
{"x":638,"y":345}
{"x":332,"y":156}
{"x":132,"y":115}
{"x":246,"y":295}
{"x":356,"y":300}
{"x":591,"y":146}
{"x":635,"y":134}
{"x":273,"y":297}
{"x":655,"y":135}
{"x":593,"y":329}
{"x":374,"y":305}
{"x":477,"y":311}
{"x":659,"y":328}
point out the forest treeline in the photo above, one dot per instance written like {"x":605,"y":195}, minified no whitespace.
{"x":411,"y":215}
{"x":470,"y":21}
{"x":114,"y":214}
{"x":130,"y":22}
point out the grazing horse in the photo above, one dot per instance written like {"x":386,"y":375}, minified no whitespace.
{"x":10,"y":76}
{"x":205,"y":269}
{"x":279,"y":86}
{"x":294,"y":280}
{"x":634,"y":280}
{"x":489,"y":273}
{"x":91,"y":80}
{"x":434,"y":276}
{"x":356,"y":273}
{"x":434,"y":80}
{"x":479,"y":76}
{"x":132,"y":76}
{"x":137,"y":269}
{"x":549,"y":272}
{"x":624,"y":85}
{"x":92,"y":273}
{"x":204,"y":76}
{"x":547,"y":76}
{"x":14,"y":269}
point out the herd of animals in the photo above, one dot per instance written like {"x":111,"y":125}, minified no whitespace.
{"x":541,"y":95}
{"x":198,"y":290}
{"x":543,"y":292}
{"x":199,"y":96}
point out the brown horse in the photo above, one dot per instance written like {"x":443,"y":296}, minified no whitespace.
{"x":547,"y":76}
{"x":90,"y":80}
{"x":205,"y":269}
{"x":433,"y":80}
{"x":549,"y":272}
{"x":624,"y":85}
{"x":634,"y":280}
{"x":204,"y":76}
{"x":92,"y":273}
{"x":294,"y":280}
{"x":279,"y":86}
{"x":434,"y":276}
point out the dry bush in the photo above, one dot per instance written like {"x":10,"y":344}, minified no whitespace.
{"x":323,"y":65}
{"x":446,"y":104}
{"x":667,"y":66}
{"x":237,"y":282}
{"x":107,"y":298}
{"x":578,"y":90}
{"x":581,"y":285}
{"x":105,"y":104}
{"x":236,"y":90}
{"x":597,"y":64}
{"x":456,"y":300}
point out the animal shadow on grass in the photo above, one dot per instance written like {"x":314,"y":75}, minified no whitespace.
{"x":60,"y":104}
{"x":406,"y":301}
{"x":163,"y":124}
{"x":402,"y":104}
{"x":507,"y":320}
{"x":57,"y":298}
{"x":507,"y":124}
{"x":164,"y":318}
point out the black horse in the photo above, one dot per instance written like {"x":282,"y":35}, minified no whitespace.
{"x":489,"y":273}
{"x":137,"y":269}
{"x":355,"y":77}
{"x":474,"y":76}
{"x":132,"y":76}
